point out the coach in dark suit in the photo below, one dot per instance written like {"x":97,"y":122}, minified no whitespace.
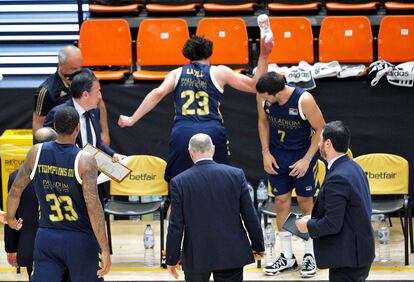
{"x":19,"y":244}
{"x":209,"y":204}
{"x":86,"y":94}
{"x":340,"y":225}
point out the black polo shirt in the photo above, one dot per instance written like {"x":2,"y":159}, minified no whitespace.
{"x":54,"y":91}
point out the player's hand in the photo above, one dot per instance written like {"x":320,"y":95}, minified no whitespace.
{"x":125,"y":121}
{"x":172,"y":270}
{"x":12,"y":259}
{"x":269,"y":163}
{"x":105,"y":264}
{"x":299,"y":168}
{"x":14,"y":223}
{"x":266,"y":48}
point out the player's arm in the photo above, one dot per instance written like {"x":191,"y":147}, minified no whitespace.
{"x":314,"y":115}
{"x":226,"y":75}
{"x":151,"y":100}
{"x":269,"y":162}
{"x":103,"y":122}
{"x":88,"y":171}
{"x":18,"y":186}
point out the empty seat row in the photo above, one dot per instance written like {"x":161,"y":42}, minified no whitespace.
{"x":160,"y":41}
{"x":168,"y":6}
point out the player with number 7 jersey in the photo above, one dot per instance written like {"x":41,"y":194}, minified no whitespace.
{"x":198,"y":88}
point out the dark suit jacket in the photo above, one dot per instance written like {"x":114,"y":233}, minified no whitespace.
{"x":341,"y":218}
{"x":22,"y":241}
{"x":209,"y":204}
{"x":95,"y":115}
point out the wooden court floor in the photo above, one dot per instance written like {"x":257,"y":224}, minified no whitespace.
{"x":128,"y":258}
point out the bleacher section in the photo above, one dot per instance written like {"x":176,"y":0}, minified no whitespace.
{"x":31,"y":33}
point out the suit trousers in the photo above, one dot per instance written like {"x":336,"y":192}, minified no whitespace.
{"x":349,"y":274}
{"x":235,"y":274}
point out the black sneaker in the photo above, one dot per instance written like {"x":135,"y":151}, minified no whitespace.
{"x":281,"y":264}
{"x":308,"y":266}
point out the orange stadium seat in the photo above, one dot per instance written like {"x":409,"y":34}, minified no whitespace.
{"x":159,"y":43}
{"x":396,"y":39}
{"x":293,"y":40}
{"x":162,"y":6}
{"x":230,"y":40}
{"x":97,"y":8}
{"x":286,"y":6}
{"x":229,"y":6}
{"x":106,"y":43}
{"x":346,"y":39}
{"x":364,"y":7}
{"x":399,"y":6}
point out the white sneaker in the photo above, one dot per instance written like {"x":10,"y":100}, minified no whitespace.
{"x":308,"y":266}
{"x":281,"y":264}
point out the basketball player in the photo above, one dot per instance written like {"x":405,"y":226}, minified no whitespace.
{"x":198,"y":90}
{"x":290,"y":123}
{"x":71,"y":234}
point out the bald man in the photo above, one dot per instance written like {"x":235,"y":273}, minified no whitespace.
{"x":55,"y":90}
{"x":19,"y":244}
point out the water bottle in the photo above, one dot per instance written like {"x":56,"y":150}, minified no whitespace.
{"x":262,"y":191}
{"x":384,"y":241}
{"x":264,"y":25}
{"x":133,"y":199}
{"x":149,"y":253}
{"x":251,"y":191}
{"x":269,"y":240}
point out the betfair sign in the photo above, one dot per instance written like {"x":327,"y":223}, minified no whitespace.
{"x":381,"y":175}
{"x":143,"y":177}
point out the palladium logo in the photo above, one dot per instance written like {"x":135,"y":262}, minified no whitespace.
{"x":381,"y":175}
{"x":143,"y":176}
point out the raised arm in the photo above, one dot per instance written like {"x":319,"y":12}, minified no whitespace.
{"x":18,"y":186}
{"x":151,"y":100}
{"x":88,"y":171}
{"x":225,"y":75}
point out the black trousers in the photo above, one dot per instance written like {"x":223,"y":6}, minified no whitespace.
{"x":235,"y":274}
{"x":349,"y":274}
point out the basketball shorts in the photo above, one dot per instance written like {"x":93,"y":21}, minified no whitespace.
{"x":60,"y":251}
{"x":282,"y":183}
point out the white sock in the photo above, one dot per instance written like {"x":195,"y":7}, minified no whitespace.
{"x":309,"y":247}
{"x":286,"y":244}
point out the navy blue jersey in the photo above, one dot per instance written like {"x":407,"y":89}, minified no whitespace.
{"x":58,"y":189}
{"x":196,"y":95}
{"x":287,"y":129}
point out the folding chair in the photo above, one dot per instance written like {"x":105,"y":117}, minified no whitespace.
{"x":146,"y":179}
{"x":399,"y":6}
{"x":345,"y":6}
{"x":159,"y":44}
{"x":388,"y":177}
{"x":396,"y":39}
{"x":293,"y":39}
{"x":230,"y":40}
{"x":106,"y":43}
{"x":346,"y":39}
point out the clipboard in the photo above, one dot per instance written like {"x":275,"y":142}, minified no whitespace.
{"x":115,"y":170}
{"x":290,"y":226}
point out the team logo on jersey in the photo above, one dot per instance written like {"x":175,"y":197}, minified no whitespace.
{"x":308,"y":188}
{"x":293,"y":112}
{"x":63,"y":93}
